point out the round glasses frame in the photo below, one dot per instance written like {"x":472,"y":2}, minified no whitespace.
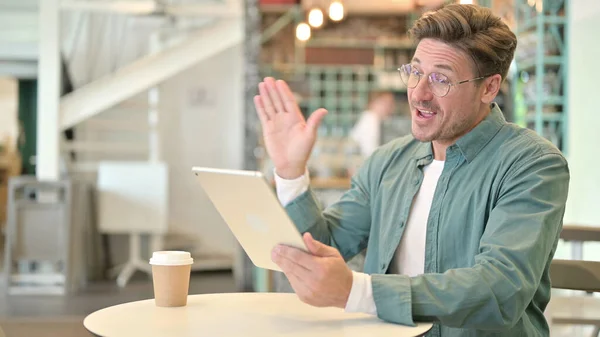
{"x":434,"y":80}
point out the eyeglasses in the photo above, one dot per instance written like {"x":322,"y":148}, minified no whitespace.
{"x":439,"y":84}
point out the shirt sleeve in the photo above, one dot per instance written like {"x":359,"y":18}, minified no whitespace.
{"x":361,"y":295}
{"x":346,"y":224}
{"x":290,"y":189}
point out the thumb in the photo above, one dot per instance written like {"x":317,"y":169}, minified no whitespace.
{"x":317,"y":248}
{"x":314,"y":120}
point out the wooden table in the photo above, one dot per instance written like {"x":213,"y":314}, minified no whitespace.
{"x":240,"y":314}
{"x":583,"y":310}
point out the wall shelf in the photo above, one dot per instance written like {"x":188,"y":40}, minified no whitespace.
{"x":546,"y":117}
{"x":540,"y":82}
{"x":341,"y":65}
{"x":531,"y":23}
{"x":548,"y":61}
{"x":548,"y":100}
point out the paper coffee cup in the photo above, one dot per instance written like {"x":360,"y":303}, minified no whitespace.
{"x":171,"y":277}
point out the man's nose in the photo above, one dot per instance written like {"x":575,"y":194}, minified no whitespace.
{"x":422,"y":92}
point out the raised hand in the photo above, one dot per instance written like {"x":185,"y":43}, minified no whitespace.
{"x":289,"y":138}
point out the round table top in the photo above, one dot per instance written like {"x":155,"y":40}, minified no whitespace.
{"x":240,"y":314}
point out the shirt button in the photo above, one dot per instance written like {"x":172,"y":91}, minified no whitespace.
{"x":417,"y":181}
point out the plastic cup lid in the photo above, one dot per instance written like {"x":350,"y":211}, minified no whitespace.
{"x":171,"y":258}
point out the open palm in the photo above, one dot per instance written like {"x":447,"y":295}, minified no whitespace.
{"x":289,"y":138}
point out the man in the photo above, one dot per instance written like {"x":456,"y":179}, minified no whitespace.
{"x":367,"y":131}
{"x":460,"y":220}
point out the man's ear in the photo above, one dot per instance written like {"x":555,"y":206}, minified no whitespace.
{"x":491,"y":87}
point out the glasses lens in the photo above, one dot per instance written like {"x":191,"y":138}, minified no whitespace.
{"x":440,"y":85}
{"x":404,"y":73}
{"x":409,"y":76}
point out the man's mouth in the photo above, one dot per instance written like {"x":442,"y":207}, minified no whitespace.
{"x":426,"y":114}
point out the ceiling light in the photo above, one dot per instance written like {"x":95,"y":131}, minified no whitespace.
{"x":303,"y":32}
{"x":336,"y":11}
{"x":315,"y":17}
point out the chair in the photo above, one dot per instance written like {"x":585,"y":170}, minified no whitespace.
{"x":576,"y":275}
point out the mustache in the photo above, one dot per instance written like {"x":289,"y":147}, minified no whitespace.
{"x":424,"y":105}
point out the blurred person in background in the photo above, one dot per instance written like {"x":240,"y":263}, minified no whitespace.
{"x":367,"y":132}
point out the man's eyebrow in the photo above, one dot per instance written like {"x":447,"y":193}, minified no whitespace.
{"x":444,"y":66}
{"x":439,"y":66}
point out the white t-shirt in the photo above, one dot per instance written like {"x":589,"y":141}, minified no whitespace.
{"x":410,"y":255}
{"x":367,"y":133}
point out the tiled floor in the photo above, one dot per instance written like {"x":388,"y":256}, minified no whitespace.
{"x":57,"y":316}
{"x":104,"y":294}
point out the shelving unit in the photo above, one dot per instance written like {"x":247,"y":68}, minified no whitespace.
{"x":540,"y":83}
{"x":344,"y":89}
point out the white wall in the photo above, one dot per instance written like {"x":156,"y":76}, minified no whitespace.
{"x":8,"y":109}
{"x":200,"y":119}
{"x":202,"y":116}
{"x":19,"y":30}
{"x":584,"y":118}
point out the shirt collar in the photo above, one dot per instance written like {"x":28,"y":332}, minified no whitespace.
{"x":471,"y":143}
{"x":424,"y":153}
{"x":474,"y":141}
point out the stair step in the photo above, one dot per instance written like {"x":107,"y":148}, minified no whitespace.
{"x":106,"y":147}
{"x":115,"y":125}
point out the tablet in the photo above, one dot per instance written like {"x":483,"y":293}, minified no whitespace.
{"x":249,"y":206}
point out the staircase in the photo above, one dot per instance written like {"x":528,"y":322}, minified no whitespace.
{"x":115,"y":63}
{"x":122,"y":105}
{"x":114,"y":78}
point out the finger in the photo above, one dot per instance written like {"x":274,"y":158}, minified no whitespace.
{"x":293,"y":260}
{"x":274,"y":94}
{"x":266,"y":100}
{"x":301,"y":289}
{"x":314,"y":120}
{"x":317,"y":248}
{"x":289,"y":101}
{"x":260,"y":110}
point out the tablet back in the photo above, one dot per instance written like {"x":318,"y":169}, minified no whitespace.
{"x":250,"y":208}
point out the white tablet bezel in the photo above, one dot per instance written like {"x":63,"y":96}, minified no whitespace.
{"x":250,"y":208}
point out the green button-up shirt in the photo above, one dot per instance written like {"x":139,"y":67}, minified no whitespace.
{"x":492,"y":229}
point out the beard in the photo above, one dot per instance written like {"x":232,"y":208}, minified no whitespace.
{"x":447,"y":130}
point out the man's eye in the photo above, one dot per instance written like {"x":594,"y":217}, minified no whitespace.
{"x":440,"y":79}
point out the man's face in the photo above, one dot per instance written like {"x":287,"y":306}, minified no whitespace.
{"x":443,"y":119}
